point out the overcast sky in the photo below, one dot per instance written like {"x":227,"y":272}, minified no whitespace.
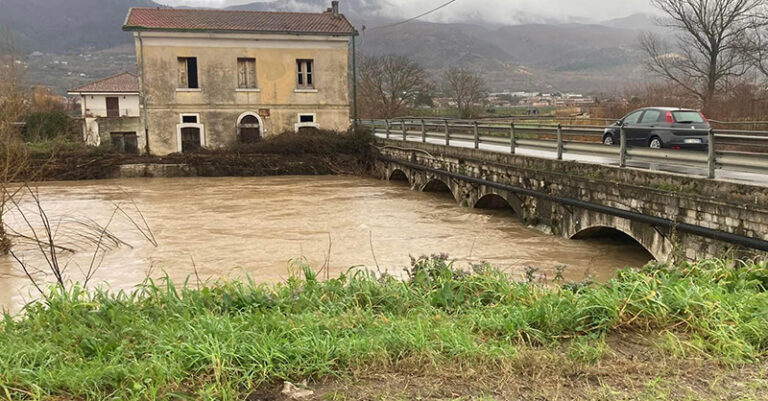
{"x":492,"y":10}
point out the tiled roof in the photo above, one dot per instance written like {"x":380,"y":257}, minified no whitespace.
{"x":121,"y":83}
{"x":169,"y":19}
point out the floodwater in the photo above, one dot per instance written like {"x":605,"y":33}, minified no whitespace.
{"x":218,"y":228}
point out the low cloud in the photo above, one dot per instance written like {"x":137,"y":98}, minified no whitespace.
{"x":496,"y":11}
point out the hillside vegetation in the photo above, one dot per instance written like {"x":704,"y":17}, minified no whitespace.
{"x":522,"y":55}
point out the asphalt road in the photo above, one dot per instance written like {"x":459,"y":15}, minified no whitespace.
{"x":691,"y":169}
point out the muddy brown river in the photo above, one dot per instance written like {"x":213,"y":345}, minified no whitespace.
{"x":232,"y":227}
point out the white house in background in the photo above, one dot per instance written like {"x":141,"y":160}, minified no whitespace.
{"x":110,"y":109}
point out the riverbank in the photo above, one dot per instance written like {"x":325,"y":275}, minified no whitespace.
{"x":319,"y":153}
{"x":689,"y":332}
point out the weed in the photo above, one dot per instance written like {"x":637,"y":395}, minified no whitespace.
{"x":228,"y":339}
{"x":587,"y":350}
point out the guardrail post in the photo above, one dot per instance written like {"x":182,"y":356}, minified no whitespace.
{"x":423,"y":132}
{"x":477,"y":137}
{"x":512,"y":140}
{"x":622,"y":148}
{"x":711,"y":157}
{"x":405,"y":131}
{"x":388,"y":127}
{"x":447,"y":134}
{"x":560,"y":142}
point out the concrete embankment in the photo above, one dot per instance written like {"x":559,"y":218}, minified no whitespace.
{"x":155,"y":170}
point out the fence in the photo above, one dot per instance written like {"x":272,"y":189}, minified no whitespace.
{"x":726,"y":148}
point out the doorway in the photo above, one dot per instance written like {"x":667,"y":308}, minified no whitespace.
{"x":249,"y":129}
{"x":190,"y":139}
{"x":113,"y":107}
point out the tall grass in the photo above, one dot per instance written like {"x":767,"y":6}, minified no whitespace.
{"x":225,"y":340}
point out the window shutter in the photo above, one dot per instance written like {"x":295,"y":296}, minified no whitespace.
{"x":183,"y":82}
{"x":310,"y":80}
{"x":299,"y":65}
{"x":252,"y":73}
{"x":242,"y":80}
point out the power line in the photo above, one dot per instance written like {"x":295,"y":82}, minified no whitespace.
{"x":416,"y":17}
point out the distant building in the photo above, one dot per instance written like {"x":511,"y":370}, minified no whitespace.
{"x":212,"y":78}
{"x":110,"y":110}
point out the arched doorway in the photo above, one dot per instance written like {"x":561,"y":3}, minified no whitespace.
{"x":249,"y":128}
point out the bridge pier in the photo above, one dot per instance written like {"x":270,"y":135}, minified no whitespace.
{"x":558,"y":198}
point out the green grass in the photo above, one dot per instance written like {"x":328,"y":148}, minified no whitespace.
{"x":225,"y":340}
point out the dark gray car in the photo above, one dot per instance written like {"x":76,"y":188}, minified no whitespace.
{"x":661,"y":127}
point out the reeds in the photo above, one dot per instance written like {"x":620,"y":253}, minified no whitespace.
{"x":223,"y":341}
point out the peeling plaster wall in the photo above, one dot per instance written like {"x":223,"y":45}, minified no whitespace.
{"x":220,"y":103}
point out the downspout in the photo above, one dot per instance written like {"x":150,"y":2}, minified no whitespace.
{"x":143,"y":94}
{"x":354,"y":80}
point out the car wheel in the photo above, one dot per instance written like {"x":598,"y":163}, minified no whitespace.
{"x":608,"y":140}
{"x":655,"y":143}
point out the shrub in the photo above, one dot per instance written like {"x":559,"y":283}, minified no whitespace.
{"x":47,"y":125}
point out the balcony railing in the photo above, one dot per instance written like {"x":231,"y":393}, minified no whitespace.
{"x":104,"y":113}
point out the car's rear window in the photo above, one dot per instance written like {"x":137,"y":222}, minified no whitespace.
{"x":688,"y":117}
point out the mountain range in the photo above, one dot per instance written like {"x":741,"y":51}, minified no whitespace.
{"x":565,"y":56}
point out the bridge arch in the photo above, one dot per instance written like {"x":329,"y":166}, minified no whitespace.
{"x":438,"y":185}
{"x":493,"y":200}
{"x":399,"y":175}
{"x":600,"y":231}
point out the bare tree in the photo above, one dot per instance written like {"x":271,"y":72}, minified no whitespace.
{"x":707,"y":52}
{"x":466,"y":88}
{"x":14,"y":157}
{"x":389,"y":85}
{"x":755,"y":46}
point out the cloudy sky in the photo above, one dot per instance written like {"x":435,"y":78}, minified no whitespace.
{"x":490,"y":10}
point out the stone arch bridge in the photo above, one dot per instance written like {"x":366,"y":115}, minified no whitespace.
{"x":674,"y":217}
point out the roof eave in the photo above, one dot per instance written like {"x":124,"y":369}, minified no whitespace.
{"x":83,"y":92}
{"x":133,"y":28}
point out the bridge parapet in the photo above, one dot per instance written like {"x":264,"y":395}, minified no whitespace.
{"x":673,"y":216}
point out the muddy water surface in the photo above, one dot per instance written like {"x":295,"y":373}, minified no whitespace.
{"x":228,"y":227}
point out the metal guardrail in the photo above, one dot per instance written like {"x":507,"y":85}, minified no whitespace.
{"x":743,"y":153}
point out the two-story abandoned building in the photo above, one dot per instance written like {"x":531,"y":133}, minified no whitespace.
{"x":110,"y":110}
{"x":212,"y":78}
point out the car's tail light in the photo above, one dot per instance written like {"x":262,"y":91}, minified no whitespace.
{"x":704,"y":118}
{"x":670,"y":117}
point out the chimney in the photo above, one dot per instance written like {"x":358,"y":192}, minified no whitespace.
{"x":335,"y":8}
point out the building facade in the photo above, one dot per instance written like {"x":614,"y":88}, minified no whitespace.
{"x":213,"y":78}
{"x":111,"y":113}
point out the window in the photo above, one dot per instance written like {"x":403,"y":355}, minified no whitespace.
{"x":246,"y":73}
{"x":688,"y":117}
{"x":633,"y":118}
{"x":650,"y":116}
{"x":188,"y":73}
{"x":307,"y":123}
{"x":113,"y":107}
{"x":306,"y":78}
{"x":189,"y":118}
